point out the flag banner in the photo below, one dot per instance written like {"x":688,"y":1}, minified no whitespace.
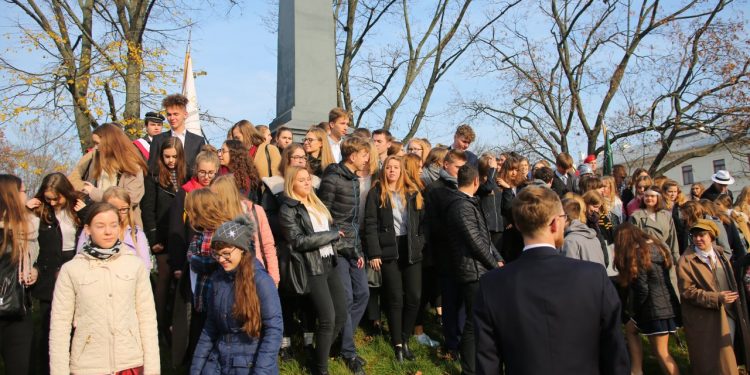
{"x":608,"y":163}
{"x":193,"y":122}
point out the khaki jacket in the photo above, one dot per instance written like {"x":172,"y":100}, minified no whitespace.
{"x":705,"y":318}
{"x":111,"y":306}
{"x":265,"y":153}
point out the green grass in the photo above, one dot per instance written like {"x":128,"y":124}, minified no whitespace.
{"x":380,"y":360}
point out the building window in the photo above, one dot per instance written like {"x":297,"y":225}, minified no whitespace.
{"x":719,"y":164}
{"x":687,"y":175}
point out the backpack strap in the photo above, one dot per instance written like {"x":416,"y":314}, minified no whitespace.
{"x":260,"y":237}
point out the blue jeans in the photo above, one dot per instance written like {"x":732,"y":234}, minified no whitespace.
{"x":357,"y":292}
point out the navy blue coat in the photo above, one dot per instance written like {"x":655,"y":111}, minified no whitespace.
{"x":224,"y":348}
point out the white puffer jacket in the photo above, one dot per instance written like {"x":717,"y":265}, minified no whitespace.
{"x":111,"y":306}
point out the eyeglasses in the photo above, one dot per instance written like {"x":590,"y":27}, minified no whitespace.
{"x":221,"y":151}
{"x":206,"y":173}
{"x":310,"y":140}
{"x":555,"y":218}
{"x":224,"y":256}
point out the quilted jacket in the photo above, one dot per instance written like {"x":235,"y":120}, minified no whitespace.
{"x":111,"y":306}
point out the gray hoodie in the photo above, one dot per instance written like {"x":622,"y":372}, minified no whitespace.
{"x":581,"y":243}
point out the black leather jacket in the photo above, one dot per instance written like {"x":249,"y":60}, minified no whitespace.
{"x":472,"y":253}
{"x":339,"y":191}
{"x":298,"y":234}
{"x":379,"y":233}
{"x":652,"y":295}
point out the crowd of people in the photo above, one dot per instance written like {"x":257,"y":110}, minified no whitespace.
{"x":227,"y":255}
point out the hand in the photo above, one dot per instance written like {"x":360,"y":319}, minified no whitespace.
{"x":158,"y":248}
{"x":87,"y":187}
{"x":33,"y":203}
{"x":342,"y":234}
{"x":728,"y":297}
{"x":502,"y":183}
{"x":33,"y":276}
{"x":360,"y":262}
{"x":375,"y":264}
{"x":80,"y":204}
{"x":177,"y":274}
{"x":500,"y":264}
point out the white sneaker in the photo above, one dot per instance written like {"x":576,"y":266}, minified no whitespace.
{"x":426,"y":340}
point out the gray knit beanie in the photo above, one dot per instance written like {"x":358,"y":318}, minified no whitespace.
{"x":238,"y":232}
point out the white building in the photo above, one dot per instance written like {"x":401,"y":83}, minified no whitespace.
{"x":731,"y":157}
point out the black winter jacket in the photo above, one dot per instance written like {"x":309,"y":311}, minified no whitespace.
{"x":491,"y":201}
{"x":51,"y":257}
{"x":299,"y":235}
{"x":339,"y":191}
{"x":652,"y":295}
{"x":472,"y":252}
{"x":437,"y":250}
{"x":155,"y":206}
{"x":180,"y":233}
{"x":379,"y":233}
{"x":315,"y":165}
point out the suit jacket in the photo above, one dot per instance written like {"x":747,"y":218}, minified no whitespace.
{"x":559,"y":187}
{"x":547,"y":314}
{"x":192,"y":147}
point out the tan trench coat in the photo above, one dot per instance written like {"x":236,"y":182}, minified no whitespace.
{"x":705,"y":319}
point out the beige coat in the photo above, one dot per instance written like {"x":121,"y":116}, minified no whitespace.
{"x":705,"y":319}
{"x":111,"y":306}
{"x":265,"y":153}
{"x":133,"y":185}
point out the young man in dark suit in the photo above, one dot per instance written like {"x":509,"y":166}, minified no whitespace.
{"x":564,"y":181}
{"x":176,"y":107}
{"x":544,"y":313}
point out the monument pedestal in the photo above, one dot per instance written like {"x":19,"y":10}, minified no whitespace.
{"x":306,"y":72}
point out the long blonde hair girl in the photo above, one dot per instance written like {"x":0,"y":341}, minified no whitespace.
{"x":325,"y":154}
{"x":229,"y":197}
{"x":312,"y":200}
{"x":15,"y":220}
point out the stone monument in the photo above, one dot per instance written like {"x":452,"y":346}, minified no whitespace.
{"x":306,"y":70}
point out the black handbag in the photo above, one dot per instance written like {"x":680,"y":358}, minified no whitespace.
{"x":296,"y":276}
{"x":12,"y":293}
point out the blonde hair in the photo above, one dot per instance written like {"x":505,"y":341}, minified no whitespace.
{"x":204,"y":210}
{"x":373,"y":159}
{"x":609,"y":201}
{"x":533,"y":208}
{"x":122,"y":194}
{"x":326,"y":155}
{"x":680,"y":197}
{"x":742,"y":203}
{"x":425,"y":147}
{"x":229,"y":197}
{"x":575,"y":208}
{"x":312,"y":200}
{"x":250,"y":136}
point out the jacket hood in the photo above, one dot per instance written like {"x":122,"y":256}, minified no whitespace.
{"x":341,"y":170}
{"x":578,"y":228}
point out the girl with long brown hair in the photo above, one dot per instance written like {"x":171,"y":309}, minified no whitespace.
{"x":114,"y":162}
{"x":394,"y":216}
{"x":61,"y":210}
{"x":18,"y":252}
{"x":264,"y":156}
{"x":643,"y":263}
{"x":234,"y":159}
{"x":243,"y":329}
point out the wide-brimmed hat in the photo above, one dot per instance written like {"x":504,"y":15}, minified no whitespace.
{"x":722,"y":177}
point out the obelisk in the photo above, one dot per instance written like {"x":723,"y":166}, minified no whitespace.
{"x":306,"y":72}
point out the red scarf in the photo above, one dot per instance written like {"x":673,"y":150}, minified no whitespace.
{"x":253,"y":151}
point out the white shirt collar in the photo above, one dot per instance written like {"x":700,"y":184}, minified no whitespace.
{"x":536,"y":245}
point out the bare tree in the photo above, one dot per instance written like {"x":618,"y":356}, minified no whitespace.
{"x":409,"y":68}
{"x":668,"y":75}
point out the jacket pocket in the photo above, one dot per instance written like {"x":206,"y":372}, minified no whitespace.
{"x":85,"y":344}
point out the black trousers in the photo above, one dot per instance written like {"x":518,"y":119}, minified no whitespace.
{"x":468,"y":346}
{"x":402,"y":286}
{"x":16,"y":336}
{"x":430,"y":292}
{"x":329,"y":300}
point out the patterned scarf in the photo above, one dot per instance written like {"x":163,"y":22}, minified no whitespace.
{"x":100,"y":253}
{"x":173,"y":180}
{"x":203,"y":264}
